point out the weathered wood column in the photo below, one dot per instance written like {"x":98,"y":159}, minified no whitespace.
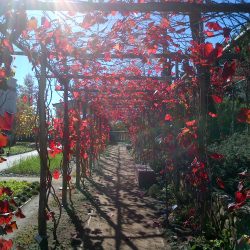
{"x":66,"y":145}
{"x":43,"y":154}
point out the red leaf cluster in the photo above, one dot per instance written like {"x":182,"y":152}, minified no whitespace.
{"x":198,"y":177}
{"x":244,"y":115}
{"x":6,"y":244}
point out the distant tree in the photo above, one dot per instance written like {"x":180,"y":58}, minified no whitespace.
{"x":28,"y":91}
{"x":26,"y":113}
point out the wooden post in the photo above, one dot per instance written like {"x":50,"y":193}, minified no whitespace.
{"x":65,"y":141}
{"x":43,"y":154}
{"x":196,"y":26}
{"x":78,"y":148}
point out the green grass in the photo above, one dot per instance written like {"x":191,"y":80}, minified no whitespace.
{"x":31,"y":166}
{"x":19,"y":148}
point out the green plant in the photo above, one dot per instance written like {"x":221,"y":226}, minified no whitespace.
{"x":19,"y":148}
{"x":17,"y":187}
{"x":154,"y":191}
{"x":31,"y":165}
{"x":236,"y":152}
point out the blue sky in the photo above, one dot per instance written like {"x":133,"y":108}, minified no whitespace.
{"x":22,"y":67}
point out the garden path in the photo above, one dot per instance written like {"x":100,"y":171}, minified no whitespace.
{"x":123,"y":217}
{"x":109,"y":213}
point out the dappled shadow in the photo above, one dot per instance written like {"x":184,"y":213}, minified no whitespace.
{"x":115,"y":197}
{"x":82,"y":237}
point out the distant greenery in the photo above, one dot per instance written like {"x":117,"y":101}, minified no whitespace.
{"x":19,"y":148}
{"x":31,"y":166}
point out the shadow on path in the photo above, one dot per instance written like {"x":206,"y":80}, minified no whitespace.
{"x":122,"y":218}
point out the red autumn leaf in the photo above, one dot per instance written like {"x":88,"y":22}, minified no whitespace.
{"x":49,"y":215}
{"x":228,"y":70}
{"x":56,"y":174}
{"x":3,"y":140}
{"x":85,"y":156}
{"x":7,"y":191}
{"x":219,"y":50}
{"x":248,"y":194}
{"x":234,"y":206}
{"x":209,"y":33}
{"x":216,"y":156}
{"x":25,"y":99}
{"x":191,"y":123}
{"x":220,"y":183}
{"x":13,"y":225}
{"x":107,"y":56}
{"x":162,"y":172}
{"x":226,"y":32}
{"x":2,"y":159}
{"x":2,"y":73}
{"x":6,"y":43}
{"x":76,"y":94}
{"x":52,"y":153}
{"x":165,"y":23}
{"x":208,"y":49}
{"x":6,"y":244}
{"x":240,"y":197}
{"x":58,"y":87}
{"x":168,"y":117}
{"x":13,"y":202}
{"x":19,"y":214}
{"x":213,"y":115}
{"x":45,"y":22}
{"x":217,"y":99}
{"x":237,"y":49}
{"x":213,"y":26}
{"x":244,"y":115}
{"x":6,"y":121}
{"x":8,"y":229}
{"x":4,"y":206}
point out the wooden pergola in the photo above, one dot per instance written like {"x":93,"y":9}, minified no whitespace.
{"x":81,"y":6}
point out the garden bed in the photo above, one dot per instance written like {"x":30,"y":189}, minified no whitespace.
{"x":22,"y":190}
{"x":19,"y":148}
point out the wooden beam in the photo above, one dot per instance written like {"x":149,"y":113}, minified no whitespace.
{"x":107,"y":77}
{"x":81,"y":6}
{"x":120,"y":56}
{"x":172,"y":55}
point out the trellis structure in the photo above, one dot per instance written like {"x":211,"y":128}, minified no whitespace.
{"x":193,"y":10}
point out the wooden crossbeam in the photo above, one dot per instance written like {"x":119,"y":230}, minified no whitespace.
{"x":121,"y":56}
{"x":106,"y":77}
{"x":81,"y":6}
{"x":173,"y":56}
